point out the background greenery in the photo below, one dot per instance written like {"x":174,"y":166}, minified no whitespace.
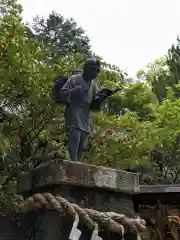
{"x":137,"y":129}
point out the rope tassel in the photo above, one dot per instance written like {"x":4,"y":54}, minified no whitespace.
{"x":95,"y":233}
{"x":75,"y":232}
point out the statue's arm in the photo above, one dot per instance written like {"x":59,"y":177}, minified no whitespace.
{"x":95,"y":105}
{"x":97,"y":88}
{"x":69,"y":89}
{"x":98,"y":98}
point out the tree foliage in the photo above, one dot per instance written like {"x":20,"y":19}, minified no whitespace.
{"x":63,"y":34}
{"x":173,"y":60}
{"x":137,"y":127}
{"x":159,"y":78}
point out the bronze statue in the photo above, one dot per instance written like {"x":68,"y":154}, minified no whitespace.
{"x":81,"y":95}
{"x":79,"y":92}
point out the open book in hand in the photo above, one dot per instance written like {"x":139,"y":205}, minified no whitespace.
{"x":101,"y":96}
{"x":106,"y":92}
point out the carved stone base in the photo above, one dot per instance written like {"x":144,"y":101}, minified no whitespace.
{"x":88,"y":186}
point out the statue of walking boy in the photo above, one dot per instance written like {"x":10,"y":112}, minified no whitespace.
{"x":79,"y":92}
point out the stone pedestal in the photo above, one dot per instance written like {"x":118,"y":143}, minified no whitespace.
{"x":100,"y":188}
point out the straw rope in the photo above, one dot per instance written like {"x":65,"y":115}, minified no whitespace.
{"x":112,"y":221}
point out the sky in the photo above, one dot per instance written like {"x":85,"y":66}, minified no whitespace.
{"x":127,"y":33}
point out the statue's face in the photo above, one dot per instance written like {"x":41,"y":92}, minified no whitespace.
{"x":92,"y":70}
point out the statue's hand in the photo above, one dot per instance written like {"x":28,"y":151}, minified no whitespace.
{"x":77,"y":90}
{"x":77,"y":94}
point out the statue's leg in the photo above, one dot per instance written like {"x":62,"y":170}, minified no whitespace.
{"x":82,"y":144}
{"x":74,"y":136}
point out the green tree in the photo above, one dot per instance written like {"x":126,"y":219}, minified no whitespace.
{"x":173,"y":61}
{"x":24,"y":94}
{"x":26,"y":80}
{"x":133,"y":129}
{"x":120,"y":142}
{"x":135,"y":97}
{"x":167,"y":125}
{"x":63,"y":34}
{"x":158,"y":76}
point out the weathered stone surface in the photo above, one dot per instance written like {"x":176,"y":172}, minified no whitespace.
{"x":79,"y":174}
{"x":100,"y":188}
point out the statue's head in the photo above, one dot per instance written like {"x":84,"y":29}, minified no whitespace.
{"x":91,"y":68}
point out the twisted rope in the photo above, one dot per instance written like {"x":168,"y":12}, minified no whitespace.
{"x":114,"y":222}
